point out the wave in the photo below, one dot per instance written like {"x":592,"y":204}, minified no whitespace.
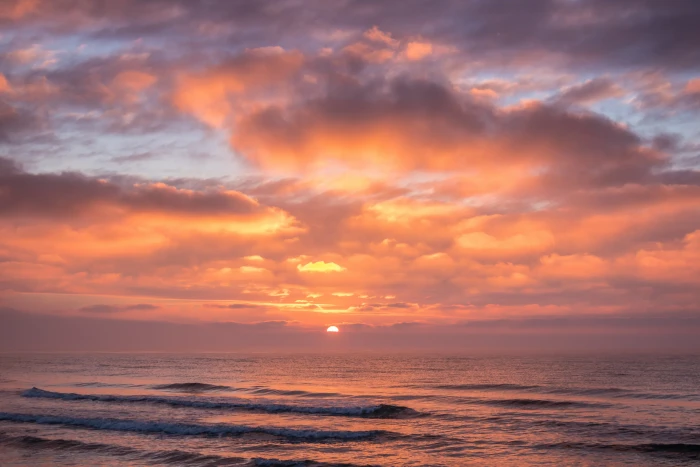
{"x":290,"y":392}
{"x":590,"y":391}
{"x":486,"y":387}
{"x":304,"y":463}
{"x":600,"y":429}
{"x":538,"y":403}
{"x":261,"y":390}
{"x":611,"y":391}
{"x":172,"y":457}
{"x":685,"y":397}
{"x":63,"y":445}
{"x":621,"y":393}
{"x":97,"y":384}
{"x":669,"y":447}
{"x":374,"y":411}
{"x":192,"y":387}
{"x":195,"y":387}
{"x":169,"y":428}
{"x":691,"y":451}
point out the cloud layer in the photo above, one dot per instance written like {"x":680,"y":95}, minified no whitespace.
{"x":387,"y":167}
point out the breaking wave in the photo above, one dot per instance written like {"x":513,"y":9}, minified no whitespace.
{"x":373,"y":411}
{"x":168,"y":428}
{"x":260,"y":390}
{"x":197,"y":387}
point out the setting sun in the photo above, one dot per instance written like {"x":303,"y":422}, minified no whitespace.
{"x":332,"y":329}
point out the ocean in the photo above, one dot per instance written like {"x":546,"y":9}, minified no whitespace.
{"x":348,"y":410}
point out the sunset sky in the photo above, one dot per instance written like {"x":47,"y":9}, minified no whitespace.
{"x":394,"y":168}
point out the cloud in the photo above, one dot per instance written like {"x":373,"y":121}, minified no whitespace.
{"x":589,"y":92}
{"x":232,"y":306}
{"x":209,"y":95}
{"x":72,"y":194}
{"x":270,"y":324}
{"x":659,"y":94}
{"x":418,"y":125}
{"x":399,"y":162}
{"x":592,"y":33}
{"x":320,"y":266}
{"x":16,"y":122}
{"x":17,"y":9}
{"x":417,"y":50}
{"x":107,"y":309}
{"x":375,"y":46}
{"x":407,"y":325}
{"x":138,"y":157}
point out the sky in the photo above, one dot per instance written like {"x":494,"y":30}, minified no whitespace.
{"x":422,"y":174}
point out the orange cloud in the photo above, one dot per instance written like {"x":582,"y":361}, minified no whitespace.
{"x":375,"y":46}
{"x":578,"y":265}
{"x":16,"y":9}
{"x":429,"y":200}
{"x":419,"y":126}
{"x":377,"y":35}
{"x":74,"y":220}
{"x":4,"y":84}
{"x":211,"y":95}
{"x":416,"y":50}
{"x":482,"y":242}
{"x":320,"y":266}
{"x":693,"y":86}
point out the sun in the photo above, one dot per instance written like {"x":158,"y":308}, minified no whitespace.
{"x":332,"y":329}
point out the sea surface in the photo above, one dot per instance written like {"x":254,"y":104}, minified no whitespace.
{"x":348,"y":409}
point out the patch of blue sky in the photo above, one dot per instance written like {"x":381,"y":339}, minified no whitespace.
{"x":171,"y":153}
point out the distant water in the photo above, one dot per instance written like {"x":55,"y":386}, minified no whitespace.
{"x":348,"y":410}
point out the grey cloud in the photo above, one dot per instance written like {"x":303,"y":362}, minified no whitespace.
{"x":107,"y":309}
{"x":623,"y":33}
{"x":72,"y":194}
{"x":589,"y":92}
